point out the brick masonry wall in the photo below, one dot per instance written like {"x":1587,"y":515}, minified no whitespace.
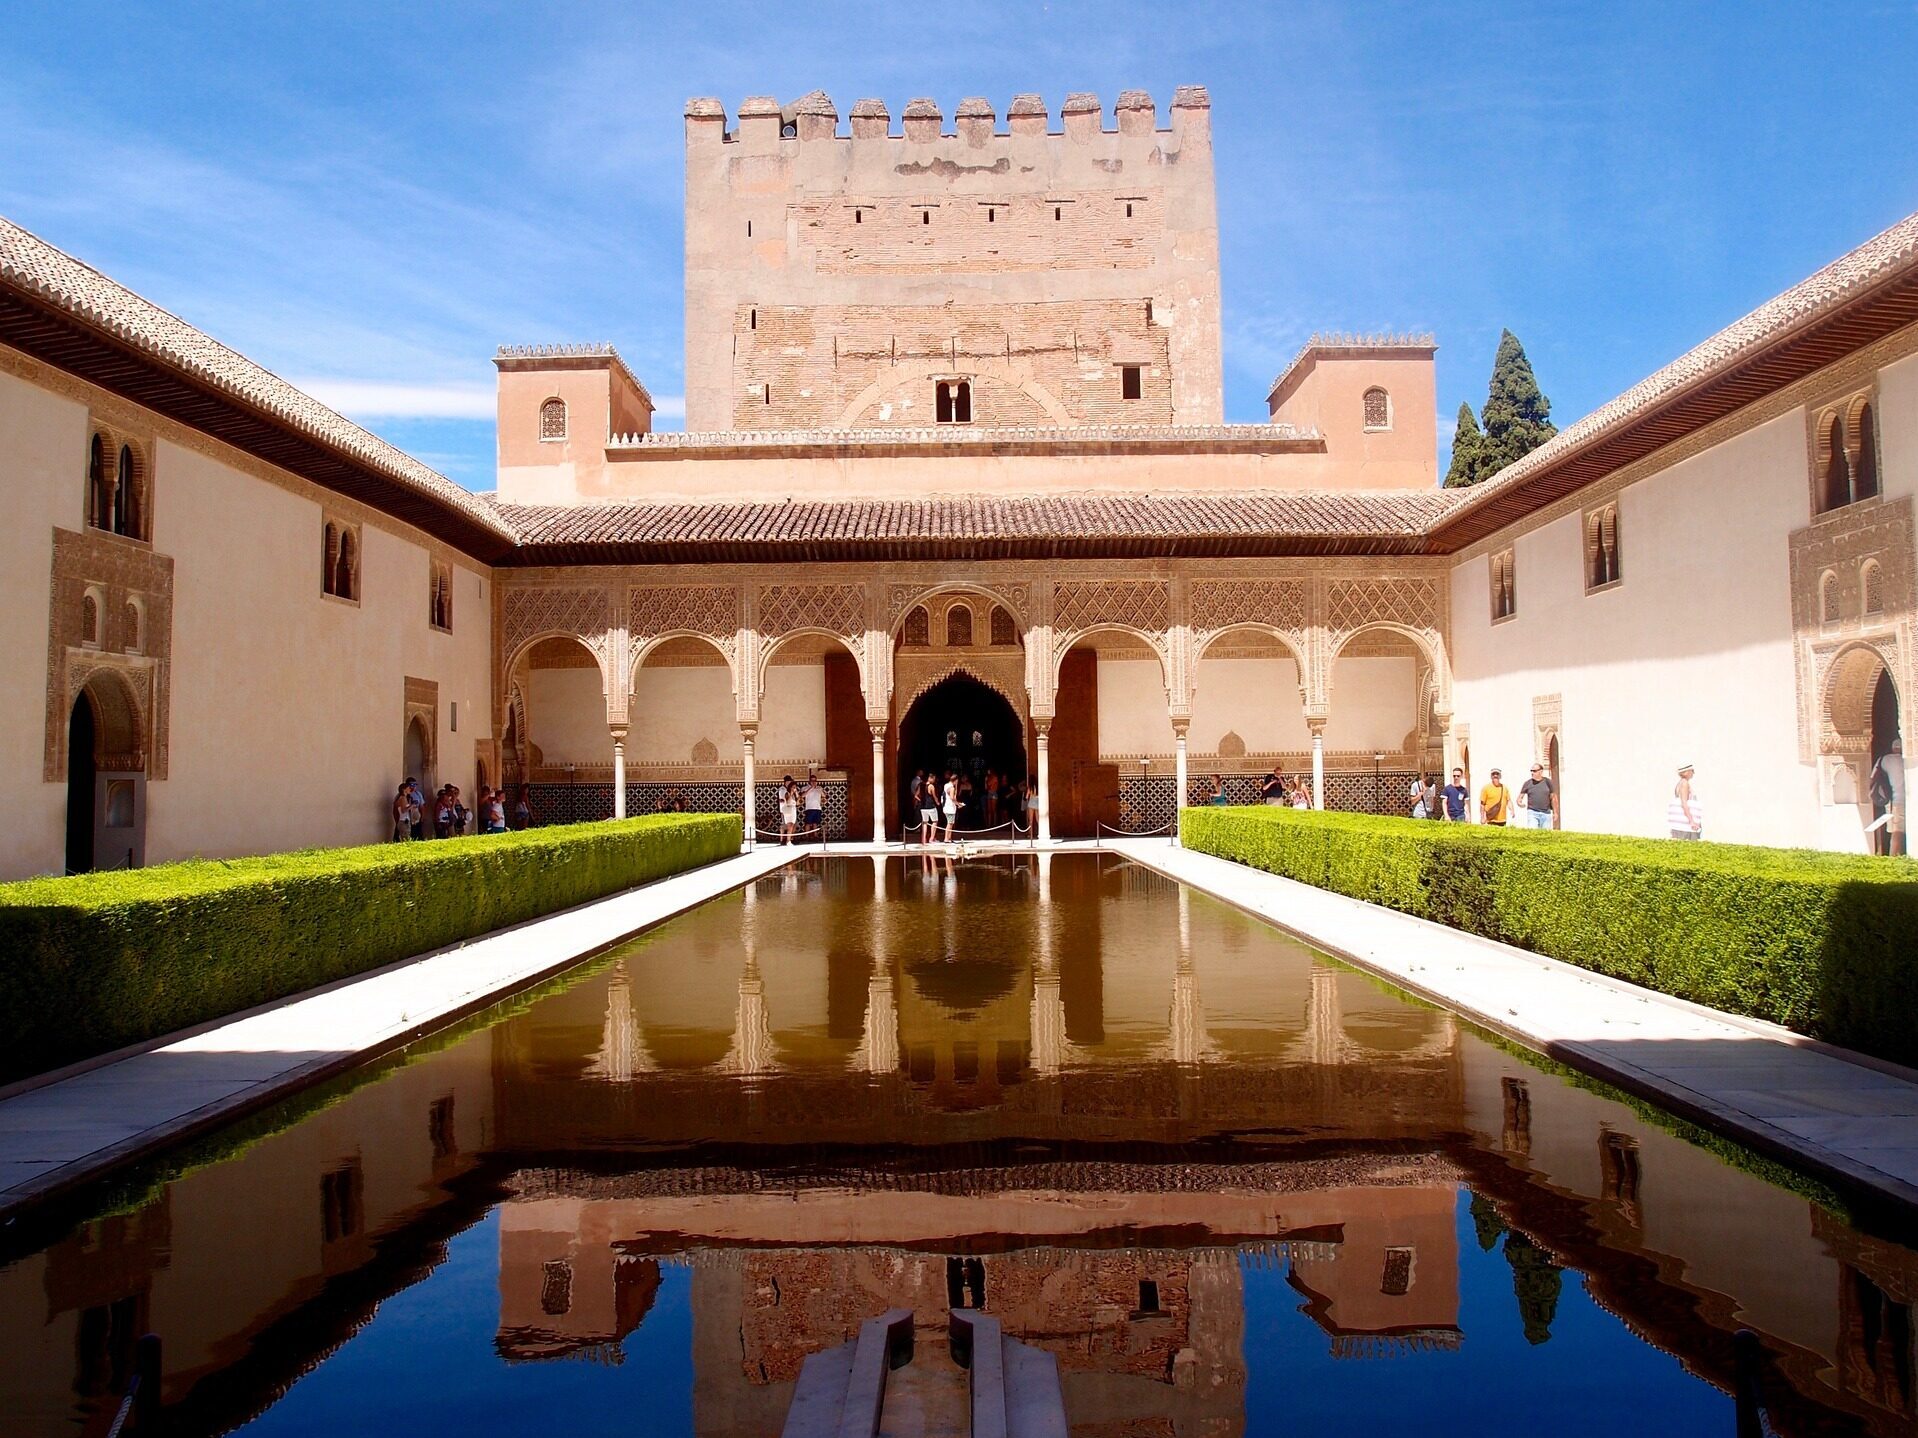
{"x":803,"y":367}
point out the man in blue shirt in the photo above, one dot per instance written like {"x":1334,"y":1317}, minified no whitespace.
{"x":1456,"y":796}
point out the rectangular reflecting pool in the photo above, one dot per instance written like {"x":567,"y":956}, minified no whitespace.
{"x":1233,"y":1187}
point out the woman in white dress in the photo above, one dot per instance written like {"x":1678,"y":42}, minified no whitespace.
{"x":951,"y":805}
{"x":788,"y":810}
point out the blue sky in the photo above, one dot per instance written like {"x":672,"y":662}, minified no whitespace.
{"x":368,"y":199}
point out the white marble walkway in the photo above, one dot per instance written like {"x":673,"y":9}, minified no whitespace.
{"x":1841,"y":1114}
{"x":63,"y":1132}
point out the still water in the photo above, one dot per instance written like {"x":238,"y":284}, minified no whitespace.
{"x":1233,"y":1187}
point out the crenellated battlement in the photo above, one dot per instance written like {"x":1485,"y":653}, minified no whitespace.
{"x":815,"y":116}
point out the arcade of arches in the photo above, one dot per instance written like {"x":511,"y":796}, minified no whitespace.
{"x":1104,"y":684}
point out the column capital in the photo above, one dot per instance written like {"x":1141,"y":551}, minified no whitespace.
{"x":878,"y":732}
{"x":1316,"y":723}
{"x":748,"y":731}
{"x":1181,"y":723}
{"x":618,"y":732}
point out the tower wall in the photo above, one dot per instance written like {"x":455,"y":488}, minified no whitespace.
{"x":834,"y":279}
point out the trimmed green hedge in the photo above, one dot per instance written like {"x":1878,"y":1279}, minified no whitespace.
{"x":1826,"y":944}
{"x":96,"y":961}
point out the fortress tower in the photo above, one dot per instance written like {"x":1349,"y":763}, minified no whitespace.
{"x":972,"y":275}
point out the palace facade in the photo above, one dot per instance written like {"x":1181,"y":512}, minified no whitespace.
{"x":955,"y":488}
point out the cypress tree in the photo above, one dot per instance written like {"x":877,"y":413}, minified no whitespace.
{"x":1467,"y":443}
{"x":1535,"y":1283}
{"x":1518,"y":419}
{"x":1486,"y":1224}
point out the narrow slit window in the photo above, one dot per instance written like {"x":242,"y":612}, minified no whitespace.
{"x":1148,"y":1295}
{"x":752,"y":319}
{"x":925,"y":217}
{"x":1128,"y":211}
{"x":765,"y":394}
{"x":1130,"y":384}
{"x":1056,"y":212}
{"x":749,"y":229}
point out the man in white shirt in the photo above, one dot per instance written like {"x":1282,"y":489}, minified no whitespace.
{"x":815,"y":806}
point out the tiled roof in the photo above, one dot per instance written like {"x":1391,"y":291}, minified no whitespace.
{"x":976,"y":526}
{"x":1890,"y":256}
{"x":28,"y":263}
{"x":1107,"y":437}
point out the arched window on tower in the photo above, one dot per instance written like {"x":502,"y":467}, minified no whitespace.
{"x":1003,"y":630}
{"x":99,"y":486}
{"x":330,"y":560}
{"x":552,"y":419}
{"x":958,"y":627}
{"x":440,"y":598}
{"x":1828,"y":598}
{"x":1837,"y":464}
{"x":90,"y":619}
{"x":1504,"y":586}
{"x":1864,"y":478}
{"x":346,"y":569}
{"x":1871,"y":584}
{"x":126,"y":503}
{"x":952,"y":401}
{"x":1601,"y":547}
{"x":918,"y":628}
{"x":1378,"y":409}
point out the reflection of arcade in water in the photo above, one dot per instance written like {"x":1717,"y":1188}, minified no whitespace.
{"x":1112,"y":1114}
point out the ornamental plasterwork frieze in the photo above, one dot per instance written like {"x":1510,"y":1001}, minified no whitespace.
{"x":1854,"y":585}
{"x":835,"y":608}
{"x":1415,"y":602}
{"x":584,"y":612}
{"x":1218,"y":604}
{"x":1015,"y":596}
{"x":916,"y":671}
{"x":132,"y":592}
{"x":708,"y":609}
{"x":1144,"y":605}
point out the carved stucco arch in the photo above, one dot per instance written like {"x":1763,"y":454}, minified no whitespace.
{"x":525,"y":647}
{"x":958,"y":588}
{"x":769,"y":647}
{"x":1065,"y":641}
{"x":120,"y":710}
{"x":642,"y":648}
{"x":1851,"y":683}
{"x":971,"y":670}
{"x":926,"y":371}
{"x":1429,"y":643}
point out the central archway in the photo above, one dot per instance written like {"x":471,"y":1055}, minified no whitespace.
{"x":964,"y":725}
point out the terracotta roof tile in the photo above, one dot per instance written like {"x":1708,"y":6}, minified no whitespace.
{"x":978,"y":526}
{"x":81,"y":292}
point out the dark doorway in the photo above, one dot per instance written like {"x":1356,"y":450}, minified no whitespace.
{"x":81,"y":782}
{"x":965,"y":726}
{"x":1889,"y":838}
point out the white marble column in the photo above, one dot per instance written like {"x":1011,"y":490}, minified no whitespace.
{"x":750,"y":799}
{"x":1178,"y":774}
{"x":1045,"y":782}
{"x":878,"y":783}
{"x":619,"y":771}
{"x":1318,"y":765}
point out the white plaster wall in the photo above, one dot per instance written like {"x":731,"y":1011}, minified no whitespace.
{"x":287,"y":717}
{"x":1257,"y":699}
{"x":286,"y":711}
{"x":674,"y":708}
{"x":43,"y":455}
{"x":1133,"y":717}
{"x":1374,"y":703}
{"x":1898,"y":428}
{"x":792,"y":716}
{"x":1689,"y":658}
{"x":566,"y":716}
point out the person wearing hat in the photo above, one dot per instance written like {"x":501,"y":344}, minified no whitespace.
{"x":1685,"y":815}
{"x":1537,"y":800}
{"x":1495,"y":802}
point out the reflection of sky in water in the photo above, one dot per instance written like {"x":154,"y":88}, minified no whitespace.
{"x":661,"y":1184}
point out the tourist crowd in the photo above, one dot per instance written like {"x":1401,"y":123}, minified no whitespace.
{"x":447,"y":817}
{"x":938,"y":806}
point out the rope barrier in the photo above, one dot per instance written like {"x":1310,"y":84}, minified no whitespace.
{"x":1165,"y":828}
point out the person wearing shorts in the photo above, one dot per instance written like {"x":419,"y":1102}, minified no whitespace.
{"x":928,"y":793}
{"x":815,"y":807}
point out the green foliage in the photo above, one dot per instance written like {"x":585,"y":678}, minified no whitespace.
{"x":1535,"y":1284}
{"x":98,"y":961}
{"x":1467,"y":444}
{"x":1518,"y":419}
{"x":1821,"y":943}
{"x":1487,"y":1226}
